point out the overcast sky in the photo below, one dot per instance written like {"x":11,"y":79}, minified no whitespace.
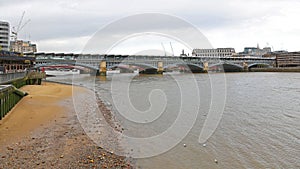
{"x":67,"y":25}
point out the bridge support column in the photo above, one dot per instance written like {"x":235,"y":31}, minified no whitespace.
{"x":102,"y":70}
{"x":245,"y":66}
{"x":205,"y":66}
{"x":160,"y":67}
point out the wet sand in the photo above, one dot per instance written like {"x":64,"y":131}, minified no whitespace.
{"x":42,"y":131}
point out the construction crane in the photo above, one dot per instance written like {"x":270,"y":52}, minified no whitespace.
{"x":164,"y":48}
{"x":15,"y":30}
{"x":172,"y":49}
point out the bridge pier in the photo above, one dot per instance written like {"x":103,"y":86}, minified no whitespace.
{"x":102,"y":69}
{"x":205,"y":67}
{"x":245,"y":66}
{"x":160,"y":67}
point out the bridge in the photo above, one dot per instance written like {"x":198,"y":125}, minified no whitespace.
{"x":147,"y":64}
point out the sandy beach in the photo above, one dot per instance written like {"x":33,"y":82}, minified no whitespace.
{"x":42,"y":131}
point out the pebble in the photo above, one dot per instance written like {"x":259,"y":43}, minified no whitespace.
{"x":33,"y":146}
{"x":10,"y":148}
{"x":184,"y":145}
{"x":216,"y":161}
{"x":204,"y":145}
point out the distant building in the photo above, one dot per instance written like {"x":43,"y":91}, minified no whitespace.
{"x":255,"y":51}
{"x":13,"y":62}
{"x":273,"y":54}
{"x":183,"y":54}
{"x":216,"y":53}
{"x":4,"y":35}
{"x":22,"y":46}
{"x":287,"y":59}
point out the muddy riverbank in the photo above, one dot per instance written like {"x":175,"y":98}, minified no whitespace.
{"x":43,"y":131}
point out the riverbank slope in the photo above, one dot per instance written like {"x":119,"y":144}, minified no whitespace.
{"x":42,"y":131}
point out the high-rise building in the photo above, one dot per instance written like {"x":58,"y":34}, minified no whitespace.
{"x":4,"y":35}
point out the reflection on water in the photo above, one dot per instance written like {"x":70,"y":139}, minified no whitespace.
{"x":259,"y":128}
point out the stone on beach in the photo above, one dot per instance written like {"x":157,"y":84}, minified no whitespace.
{"x":216,"y":161}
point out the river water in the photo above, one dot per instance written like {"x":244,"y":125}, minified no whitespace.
{"x":259,"y":127}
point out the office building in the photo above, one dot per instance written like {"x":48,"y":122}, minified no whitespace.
{"x":4,"y":36}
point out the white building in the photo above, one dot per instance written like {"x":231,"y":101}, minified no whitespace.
{"x":4,"y":35}
{"x":216,"y":53}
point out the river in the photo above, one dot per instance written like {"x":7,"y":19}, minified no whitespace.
{"x":259,"y":127}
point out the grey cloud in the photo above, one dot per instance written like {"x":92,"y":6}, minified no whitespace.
{"x":74,"y":18}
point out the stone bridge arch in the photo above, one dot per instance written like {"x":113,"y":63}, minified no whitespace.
{"x":257,"y":65}
{"x":187,"y":67}
{"x":142,"y":67}
{"x":226,"y":67}
{"x":92,"y":68}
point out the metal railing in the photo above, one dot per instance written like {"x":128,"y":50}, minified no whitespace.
{"x":9,"y":97}
{"x":8,"y":77}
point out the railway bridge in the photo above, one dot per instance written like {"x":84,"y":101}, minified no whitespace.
{"x":100,"y":63}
